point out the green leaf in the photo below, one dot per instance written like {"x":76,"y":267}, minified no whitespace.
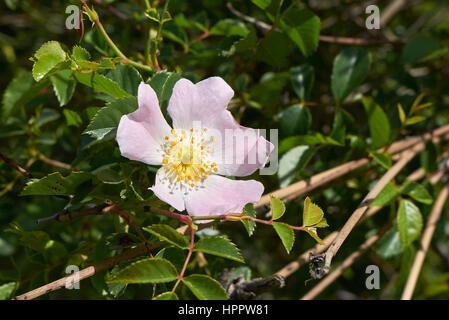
{"x":286,"y":233}
{"x":417,"y":192}
{"x":229,"y":28}
{"x":46,"y":64}
{"x":277,"y":208}
{"x":292,"y":161}
{"x":108,"y":117}
{"x":409,"y":222}
{"x":168,"y":234}
{"x":312,"y":214}
{"x":79,"y":53}
{"x":72,"y":118}
{"x":153,"y":14}
{"x":384,"y":159}
{"x":418,"y":48}
{"x":262,"y":4}
{"x":166,"y":296}
{"x":390,"y":244}
{"x":19,"y":92}
{"x":388,"y":194}
{"x":402,"y":115}
{"x":302,"y":78}
{"x":219,"y":246}
{"x":149,"y":270}
{"x":126,"y":76}
{"x":274,"y":50}
{"x":248,"y":210}
{"x":52,"y":47}
{"x":7,"y":290}
{"x":302,"y":26}
{"x":163,"y":83}
{"x":56,"y":184}
{"x":295,"y":119}
{"x":379,"y":125}
{"x":313,"y":233}
{"x":100,"y":83}
{"x":205,"y":288}
{"x":304,"y":140}
{"x":351,"y":66}
{"x":63,"y":86}
{"x":428,"y":157}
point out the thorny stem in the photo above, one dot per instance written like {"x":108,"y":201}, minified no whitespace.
{"x":93,"y":15}
{"x":189,"y":255}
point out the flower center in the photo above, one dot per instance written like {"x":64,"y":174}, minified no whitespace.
{"x":186,"y":159}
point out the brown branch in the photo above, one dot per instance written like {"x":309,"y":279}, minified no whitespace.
{"x":363,"y":207}
{"x":425,"y":243}
{"x":323,"y":38}
{"x":346,"y":263}
{"x":56,"y":163}
{"x":12,"y":164}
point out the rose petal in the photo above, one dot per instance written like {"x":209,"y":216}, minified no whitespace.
{"x":141,"y":133}
{"x":199,"y":102}
{"x":239,"y":151}
{"x":163,"y":191}
{"x":221,"y":195}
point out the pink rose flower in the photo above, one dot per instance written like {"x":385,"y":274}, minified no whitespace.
{"x":193,"y":154}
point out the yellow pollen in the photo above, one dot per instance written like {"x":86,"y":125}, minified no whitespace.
{"x":205,"y":129}
{"x":212,"y":139}
{"x":215,"y":169}
{"x":173,"y":143}
{"x":165,"y":161}
{"x":166,"y":137}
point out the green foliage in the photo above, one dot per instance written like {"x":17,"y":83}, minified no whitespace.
{"x":277,"y":208}
{"x":149,"y":270}
{"x":219,"y":246}
{"x":351,"y":66}
{"x":167,"y":233}
{"x":56,"y":184}
{"x":204,"y":287}
{"x":409,"y":222}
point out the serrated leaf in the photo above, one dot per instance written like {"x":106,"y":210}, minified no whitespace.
{"x":205,"y":288}
{"x":322,"y":224}
{"x":168,"y":234}
{"x":149,"y":270}
{"x":53,"y":47}
{"x":388,"y":194}
{"x":163,"y":82}
{"x":313,"y":233}
{"x":19,"y":92}
{"x":166,"y":296}
{"x":409,"y":222}
{"x":47,"y":63}
{"x":108,"y":118}
{"x":417,"y":192}
{"x":219,"y":246}
{"x":286,"y":233}
{"x":312,"y":214}
{"x":249,"y":210}
{"x":63,"y":86}
{"x":126,"y":76}
{"x":350,"y":68}
{"x":277,"y":208}
{"x":101,"y":84}
{"x":7,"y":290}
{"x":79,"y":53}
{"x":56,"y":184}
